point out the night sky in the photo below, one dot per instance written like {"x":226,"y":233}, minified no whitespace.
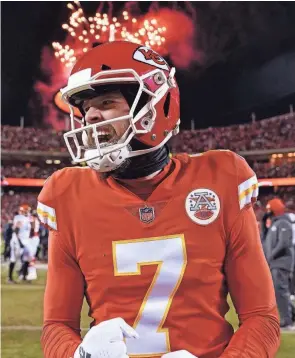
{"x":249,"y":47}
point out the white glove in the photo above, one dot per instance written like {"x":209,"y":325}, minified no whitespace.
{"x":106,"y":340}
{"x":179,"y":354}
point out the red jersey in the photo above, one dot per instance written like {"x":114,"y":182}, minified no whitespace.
{"x":164,"y":264}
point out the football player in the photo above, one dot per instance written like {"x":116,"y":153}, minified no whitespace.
{"x":154,"y":243}
{"x":21,"y":232}
{"x":31,"y":245}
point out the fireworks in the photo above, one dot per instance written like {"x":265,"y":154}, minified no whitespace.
{"x":167,"y":30}
{"x":84,"y":32}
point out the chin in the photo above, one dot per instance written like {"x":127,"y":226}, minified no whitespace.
{"x":116,"y":172}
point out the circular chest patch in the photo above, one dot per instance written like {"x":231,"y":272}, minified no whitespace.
{"x":202,"y":206}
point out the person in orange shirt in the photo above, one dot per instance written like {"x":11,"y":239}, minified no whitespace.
{"x":154,"y":243}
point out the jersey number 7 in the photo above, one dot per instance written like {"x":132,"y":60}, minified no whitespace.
{"x":169,"y":254}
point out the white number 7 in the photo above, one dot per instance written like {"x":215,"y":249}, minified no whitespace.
{"x":169,"y":254}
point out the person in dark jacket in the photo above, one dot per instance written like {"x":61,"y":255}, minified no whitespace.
{"x":292,"y":281}
{"x":279,"y":252}
{"x":7,"y":238}
{"x":292,"y":278}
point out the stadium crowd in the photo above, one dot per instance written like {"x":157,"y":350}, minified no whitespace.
{"x":262,"y":170}
{"x":31,"y":138}
{"x":274,"y":170}
{"x":28,"y":171}
{"x":275,"y":132}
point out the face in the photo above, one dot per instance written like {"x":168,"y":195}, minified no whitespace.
{"x":24,"y":211}
{"x":268,"y":208}
{"x":104,"y":107}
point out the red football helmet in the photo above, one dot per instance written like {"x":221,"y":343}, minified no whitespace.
{"x":153,"y":124}
{"x":24,"y":209}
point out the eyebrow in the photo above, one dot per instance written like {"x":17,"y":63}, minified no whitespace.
{"x":102,"y":96}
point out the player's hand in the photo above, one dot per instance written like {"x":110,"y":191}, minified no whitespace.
{"x":179,"y":354}
{"x":106,"y":340}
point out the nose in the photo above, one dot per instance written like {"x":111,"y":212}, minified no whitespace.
{"x":93,"y":115}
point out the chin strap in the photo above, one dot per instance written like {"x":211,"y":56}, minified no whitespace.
{"x":142,"y":165}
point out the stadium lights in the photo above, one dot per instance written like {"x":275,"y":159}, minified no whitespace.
{"x":51,"y":161}
{"x":282,"y":155}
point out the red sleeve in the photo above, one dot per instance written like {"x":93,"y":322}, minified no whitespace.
{"x":63,"y":301}
{"x":251,"y":289}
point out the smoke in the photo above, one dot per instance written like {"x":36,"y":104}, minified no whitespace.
{"x":54,"y":77}
{"x":181,"y":37}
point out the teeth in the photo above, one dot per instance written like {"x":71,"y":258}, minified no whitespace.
{"x":103,"y":137}
{"x":103,"y":133}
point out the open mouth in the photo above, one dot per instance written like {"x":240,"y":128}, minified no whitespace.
{"x":105,"y":135}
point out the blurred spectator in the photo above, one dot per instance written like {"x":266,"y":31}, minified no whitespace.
{"x":279,"y":253}
{"x":7,"y":238}
{"x":285,"y":193}
{"x":42,"y":253}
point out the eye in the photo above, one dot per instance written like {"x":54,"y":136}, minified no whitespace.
{"x":85,"y":107}
{"x":107,"y":102}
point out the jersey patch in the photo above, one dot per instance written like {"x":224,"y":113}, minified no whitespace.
{"x":147,"y":214}
{"x":147,"y":55}
{"x":47,"y":215}
{"x":202,"y":206}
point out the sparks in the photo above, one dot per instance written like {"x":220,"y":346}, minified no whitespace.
{"x":84,"y":32}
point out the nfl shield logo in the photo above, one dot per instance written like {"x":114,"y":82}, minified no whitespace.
{"x":146,"y":215}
